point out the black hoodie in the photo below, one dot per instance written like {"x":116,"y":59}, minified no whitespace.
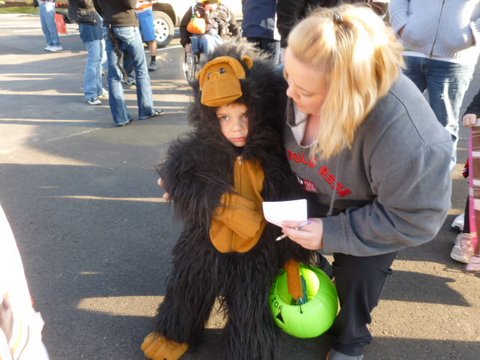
{"x":119,"y":13}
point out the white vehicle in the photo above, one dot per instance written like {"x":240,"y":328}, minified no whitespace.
{"x":168,"y":15}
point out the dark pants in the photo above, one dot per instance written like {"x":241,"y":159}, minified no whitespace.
{"x":272,"y":47}
{"x":359,"y":282}
{"x":466,"y":217}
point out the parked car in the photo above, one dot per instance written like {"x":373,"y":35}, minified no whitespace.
{"x":168,"y":15}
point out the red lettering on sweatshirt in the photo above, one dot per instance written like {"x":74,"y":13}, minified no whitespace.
{"x":300,"y":159}
{"x":309,"y":186}
{"x":330,"y":178}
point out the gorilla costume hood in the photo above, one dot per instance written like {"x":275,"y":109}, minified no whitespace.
{"x":264,"y":93}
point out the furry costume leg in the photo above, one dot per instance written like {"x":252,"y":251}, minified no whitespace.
{"x":191,"y":290}
{"x":251,"y":331}
{"x":199,"y":274}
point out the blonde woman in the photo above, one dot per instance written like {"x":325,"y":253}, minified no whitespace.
{"x":371,"y":155}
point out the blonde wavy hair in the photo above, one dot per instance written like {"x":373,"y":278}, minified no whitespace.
{"x":360,"y":57}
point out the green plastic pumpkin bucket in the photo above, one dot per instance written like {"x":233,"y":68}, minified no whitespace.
{"x":316,"y":315}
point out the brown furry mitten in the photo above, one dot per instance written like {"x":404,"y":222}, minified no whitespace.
{"x":157,"y":347}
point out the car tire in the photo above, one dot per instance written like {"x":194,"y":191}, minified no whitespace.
{"x":164,"y":28}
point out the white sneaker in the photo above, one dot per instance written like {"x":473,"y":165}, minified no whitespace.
{"x":54,"y":48}
{"x":131,"y":81}
{"x":463,"y":250}
{"x":458,"y":223}
{"x":93,"y":101}
{"x":104,"y":94}
{"x":474,"y":264}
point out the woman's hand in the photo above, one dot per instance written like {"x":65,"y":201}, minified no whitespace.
{"x":166,"y":195}
{"x":469,"y":120}
{"x":309,"y":236}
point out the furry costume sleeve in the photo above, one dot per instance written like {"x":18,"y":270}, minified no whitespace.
{"x":194,"y":187}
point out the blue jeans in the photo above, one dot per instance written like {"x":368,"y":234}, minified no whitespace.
{"x":104,"y":50}
{"x":446,"y":83}
{"x":92,"y":78}
{"x":128,"y":64}
{"x":47,"y":19}
{"x":128,"y":38}
{"x":205,"y":43}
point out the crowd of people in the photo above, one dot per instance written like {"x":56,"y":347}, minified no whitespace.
{"x":362,"y":110}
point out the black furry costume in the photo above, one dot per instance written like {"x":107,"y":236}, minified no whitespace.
{"x":197,"y":170}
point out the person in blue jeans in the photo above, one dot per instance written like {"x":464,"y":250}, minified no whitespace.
{"x":91,"y":33}
{"x":441,"y":49}
{"x":219,"y":25}
{"x":147,"y":30}
{"x":123,"y":35}
{"x":49,"y":28}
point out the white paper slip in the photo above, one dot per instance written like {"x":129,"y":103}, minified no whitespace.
{"x":276,"y":212}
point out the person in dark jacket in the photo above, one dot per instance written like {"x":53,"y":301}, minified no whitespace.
{"x":290,"y":12}
{"x":217,"y":177}
{"x":124,"y":35}
{"x":259,"y":26}
{"x":90,"y":25}
{"x":220,"y":25}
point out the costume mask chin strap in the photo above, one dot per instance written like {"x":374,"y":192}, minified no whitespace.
{"x":220,"y":80}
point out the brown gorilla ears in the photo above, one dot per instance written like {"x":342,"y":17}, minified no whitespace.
{"x":220,"y":80}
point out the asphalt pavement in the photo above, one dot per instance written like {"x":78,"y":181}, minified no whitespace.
{"x":95,"y":236}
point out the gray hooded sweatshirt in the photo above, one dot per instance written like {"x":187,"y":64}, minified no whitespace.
{"x":438,"y":29}
{"x":391,"y":189}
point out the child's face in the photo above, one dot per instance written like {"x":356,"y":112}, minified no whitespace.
{"x":233,"y":123}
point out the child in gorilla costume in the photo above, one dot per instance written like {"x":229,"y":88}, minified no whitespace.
{"x":217,"y":177}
